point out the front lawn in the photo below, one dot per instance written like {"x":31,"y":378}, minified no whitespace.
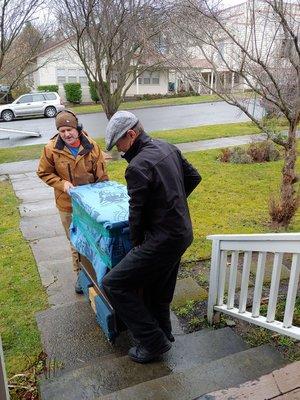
{"x":232,"y":198}
{"x":205,"y":132}
{"x":173,"y":136}
{"x":21,"y":291}
{"x":131,"y":105}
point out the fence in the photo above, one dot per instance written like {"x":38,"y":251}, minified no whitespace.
{"x":3,"y":381}
{"x":278,"y":244}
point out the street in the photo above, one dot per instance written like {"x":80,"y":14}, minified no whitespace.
{"x":153,"y":119}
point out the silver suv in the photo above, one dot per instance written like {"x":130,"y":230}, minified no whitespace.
{"x":46,"y":103}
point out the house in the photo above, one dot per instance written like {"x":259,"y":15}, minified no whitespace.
{"x":60,"y":64}
{"x":253,"y":34}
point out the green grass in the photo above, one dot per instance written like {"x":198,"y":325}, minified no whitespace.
{"x":205,"y":132}
{"x":172,"y":136}
{"x":21,"y":292}
{"x":130,"y":105}
{"x":232,"y":198}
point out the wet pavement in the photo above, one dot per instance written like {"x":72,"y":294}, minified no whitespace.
{"x":153,"y":119}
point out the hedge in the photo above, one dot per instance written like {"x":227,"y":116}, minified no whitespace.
{"x":48,"y":88}
{"x":73,"y":92}
{"x":93,"y":92}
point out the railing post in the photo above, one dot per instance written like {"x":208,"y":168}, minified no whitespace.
{"x":4,"y":395}
{"x":213,"y":279}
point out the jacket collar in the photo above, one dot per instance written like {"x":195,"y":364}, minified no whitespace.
{"x":84,"y":142}
{"x":139,"y":142}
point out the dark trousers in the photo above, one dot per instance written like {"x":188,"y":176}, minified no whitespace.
{"x":155,"y":271}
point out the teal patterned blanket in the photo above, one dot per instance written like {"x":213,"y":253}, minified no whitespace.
{"x":99,"y":228}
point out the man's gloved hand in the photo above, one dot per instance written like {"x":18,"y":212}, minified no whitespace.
{"x":67,"y":186}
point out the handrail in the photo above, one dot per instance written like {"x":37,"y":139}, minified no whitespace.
{"x":234,"y":245}
{"x":4,"y":395}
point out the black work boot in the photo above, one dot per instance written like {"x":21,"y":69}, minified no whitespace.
{"x":170,"y":337}
{"x":142,"y":355}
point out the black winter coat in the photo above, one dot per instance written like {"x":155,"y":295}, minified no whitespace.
{"x":159,"y":179}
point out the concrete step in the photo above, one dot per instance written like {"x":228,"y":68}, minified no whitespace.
{"x":48,"y":226}
{"x":103,"y":376}
{"x":195,"y":382}
{"x":71,"y":335}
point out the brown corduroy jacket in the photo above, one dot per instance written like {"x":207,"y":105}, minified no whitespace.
{"x":57,"y":165}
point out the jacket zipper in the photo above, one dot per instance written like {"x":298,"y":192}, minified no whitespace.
{"x":70,"y":174}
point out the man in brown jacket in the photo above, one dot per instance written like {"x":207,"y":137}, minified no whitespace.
{"x":70,"y":158}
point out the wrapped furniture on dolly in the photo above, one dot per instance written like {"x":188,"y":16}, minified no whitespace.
{"x":100,"y":233}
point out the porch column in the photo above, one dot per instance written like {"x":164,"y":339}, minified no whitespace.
{"x":137,"y":82}
{"x":232,"y":81}
{"x":211,"y":81}
{"x":176,"y":83}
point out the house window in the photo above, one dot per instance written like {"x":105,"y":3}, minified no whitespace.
{"x":155,"y":78}
{"x":61,"y":76}
{"x":72,"y":75}
{"x":82,"y":77}
{"x":148,"y":78}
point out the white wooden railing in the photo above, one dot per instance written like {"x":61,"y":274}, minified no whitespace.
{"x":4,"y":395}
{"x":278,"y":244}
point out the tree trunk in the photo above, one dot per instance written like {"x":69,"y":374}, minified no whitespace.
{"x":283,"y":212}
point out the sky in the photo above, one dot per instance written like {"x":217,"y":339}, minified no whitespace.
{"x":228,"y":3}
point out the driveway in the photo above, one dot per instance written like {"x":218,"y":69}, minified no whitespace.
{"x":153,"y":119}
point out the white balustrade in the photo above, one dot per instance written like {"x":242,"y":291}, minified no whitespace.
{"x":4,"y":395}
{"x":243,"y":246}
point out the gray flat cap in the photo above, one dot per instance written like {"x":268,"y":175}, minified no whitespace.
{"x":117,"y":126}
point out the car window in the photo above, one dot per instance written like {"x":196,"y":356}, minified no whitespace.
{"x":50,"y":96}
{"x":38,"y":97}
{"x":25,"y":99}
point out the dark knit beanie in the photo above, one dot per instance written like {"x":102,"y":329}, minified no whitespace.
{"x":65,"y":118}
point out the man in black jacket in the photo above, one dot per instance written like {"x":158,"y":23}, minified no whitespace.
{"x":159,"y":180}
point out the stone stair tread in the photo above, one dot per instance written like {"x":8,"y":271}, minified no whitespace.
{"x":102,"y":376}
{"x":195,"y":382}
{"x":71,"y":335}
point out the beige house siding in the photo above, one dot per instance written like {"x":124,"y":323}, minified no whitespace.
{"x":61,"y":63}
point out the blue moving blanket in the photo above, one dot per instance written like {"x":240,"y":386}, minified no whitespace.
{"x":99,"y":228}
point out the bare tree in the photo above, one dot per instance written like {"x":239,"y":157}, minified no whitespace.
{"x":116,"y":41}
{"x":253,"y":46}
{"x":20,"y":42}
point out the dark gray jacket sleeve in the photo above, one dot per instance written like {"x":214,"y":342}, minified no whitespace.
{"x":138,"y":191}
{"x":192,"y":178}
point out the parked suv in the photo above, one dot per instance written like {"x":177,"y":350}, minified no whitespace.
{"x":47,"y":104}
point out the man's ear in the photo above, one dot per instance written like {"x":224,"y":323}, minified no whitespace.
{"x":132,"y":133}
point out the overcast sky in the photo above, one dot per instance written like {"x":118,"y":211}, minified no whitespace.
{"x":228,"y":3}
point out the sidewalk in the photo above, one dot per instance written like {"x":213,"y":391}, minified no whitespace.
{"x":22,"y":167}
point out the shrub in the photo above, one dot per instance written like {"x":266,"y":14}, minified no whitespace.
{"x":256,"y":152}
{"x":93,"y":92}
{"x":263,"y":151}
{"x":155,"y":96}
{"x":48,"y":88}
{"x":225,"y":155}
{"x":240,"y":157}
{"x":73,"y":92}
